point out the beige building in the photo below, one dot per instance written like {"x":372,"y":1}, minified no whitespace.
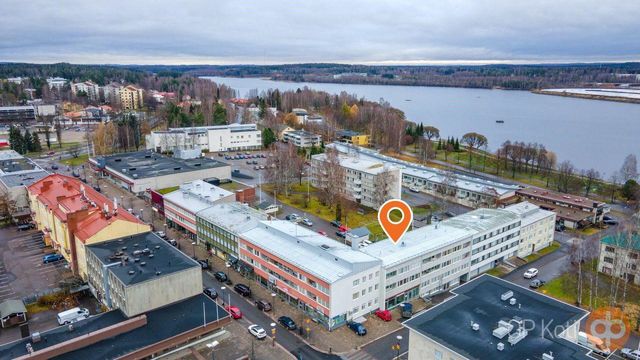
{"x":537,"y":227}
{"x":131,"y":97}
{"x":140,"y":273}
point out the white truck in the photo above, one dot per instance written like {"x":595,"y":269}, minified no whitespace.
{"x":72,"y":315}
{"x":595,"y":344}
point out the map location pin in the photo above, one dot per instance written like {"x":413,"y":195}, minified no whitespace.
{"x":395,"y":229}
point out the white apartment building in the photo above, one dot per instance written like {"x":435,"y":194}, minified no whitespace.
{"x":301,"y":138}
{"x":619,"y":254}
{"x":364,"y":179}
{"x":328,"y":280}
{"x":212,"y":138}
{"x":111,"y":93}
{"x":91,"y":89}
{"x":536,"y":228}
{"x":56,"y":82}
{"x":182,"y":205}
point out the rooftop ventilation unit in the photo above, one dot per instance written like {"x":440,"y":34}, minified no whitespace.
{"x":35,"y":337}
{"x":506,"y":296}
{"x":548,"y":356}
{"x":475,"y":326}
{"x":500,"y":346}
{"x":512,"y":301}
{"x":143,"y":263}
{"x":131,"y":272}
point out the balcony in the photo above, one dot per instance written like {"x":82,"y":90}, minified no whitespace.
{"x":357,"y":182}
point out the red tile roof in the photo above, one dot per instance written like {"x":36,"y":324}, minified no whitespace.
{"x":65,"y":195}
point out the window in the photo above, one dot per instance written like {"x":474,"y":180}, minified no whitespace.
{"x":355,"y":295}
{"x":609,"y":249}
{"x":608,"y":260}
{"x":356,"y":282}
{"x":437,"y":354}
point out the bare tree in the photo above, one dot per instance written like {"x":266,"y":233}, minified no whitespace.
{"x":565,"y":173}
{"x":473,"y":141}
{"x":426,"y":151}
{"x":383,"y":183}
{"x":282,"y":168}
{"x":589,"y":177}
{"x":629,"y":169}
{"x":329,"y":177}
{"x":74,"y":151}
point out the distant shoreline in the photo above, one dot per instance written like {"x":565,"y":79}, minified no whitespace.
{"x":587,"y":96}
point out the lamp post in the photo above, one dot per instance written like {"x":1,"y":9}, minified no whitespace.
{"x":273,"y":301}
{"x":273,"y":334}
{"x":397,"y":346}
{"x":212,"y":346}
{"x":142,"y":214}
{"x":193,"y":246}
{"x":222,"y":294}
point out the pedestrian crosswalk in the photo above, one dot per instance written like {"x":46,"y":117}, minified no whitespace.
{"x":359,"y":355}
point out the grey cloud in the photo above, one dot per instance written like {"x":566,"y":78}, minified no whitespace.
{"x":227,"y":31}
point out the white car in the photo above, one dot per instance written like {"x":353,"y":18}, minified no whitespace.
{"x":531,"y":273}
{"x":257,"y":331}
{"x":307,"y":222}
{"x":630,"y":354}
{"x":161,"y":234}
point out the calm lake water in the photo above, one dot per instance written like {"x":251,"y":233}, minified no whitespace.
{"x":589,"y":133}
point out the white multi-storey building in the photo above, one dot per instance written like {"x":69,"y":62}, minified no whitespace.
{"x":536,"y":228}
{"x":56,"y":82}
{"x":302,"y":138}
{"x":212,"y":138}
{"x":367,"y":182}
{"x":91,"y":89}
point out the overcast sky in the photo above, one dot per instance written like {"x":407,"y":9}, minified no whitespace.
{"x":350,"y":31}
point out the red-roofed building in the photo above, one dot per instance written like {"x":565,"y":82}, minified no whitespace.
{"x":72,"y":215}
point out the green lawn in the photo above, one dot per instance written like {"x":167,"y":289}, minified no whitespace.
{"x":81,"y":159}
{"x":549,"y":249}
{"x":54,"y":147}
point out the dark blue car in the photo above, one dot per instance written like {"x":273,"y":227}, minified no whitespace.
{"x":51,"y":258}
{"x":358,"y":328}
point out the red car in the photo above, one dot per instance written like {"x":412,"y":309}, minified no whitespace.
{"x":343,"y":228}
{"x":234,"y":311}
{"x":383,"y":314}
{"x":322,"y":233}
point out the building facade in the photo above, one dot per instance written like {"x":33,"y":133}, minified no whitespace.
{"x":182,"y":205}
{"x":17,"y":114}
{"x":232,"y":137}
{"x":140,"y":273}
{"x":619,"y":256}
{"x":72,"y":216}
{"x":16,"y":173}
{"x":90,"y":89}
{"x":301,"y":138}
{"x":537,"y":227}
{"x":131,"y":97}
{"x":367,"y":182}
{"x":353,"y":137}
{"x":328,"y":280}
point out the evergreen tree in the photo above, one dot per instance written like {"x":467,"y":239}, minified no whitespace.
{"x":456,"y":146}
{"x":28,"y":142}
{"x":219,"y":115}
{"x":37,"y":147}
{"x":268,"y":137}
{"x":439,"y":144}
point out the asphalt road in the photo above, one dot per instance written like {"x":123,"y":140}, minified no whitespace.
{"x":251,"y":315}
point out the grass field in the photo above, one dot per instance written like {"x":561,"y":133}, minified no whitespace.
{"x":81,"y":159}
{"x":549,"y":249}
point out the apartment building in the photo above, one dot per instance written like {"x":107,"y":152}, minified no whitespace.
{"x":16,"y":173}
{"x":17,"y":114}
{"x":619,"y":254}
{"x":572,"y":211}
{"x":72,"y":216}
{"x":140,"y":273}
{"x":232,"y":137}
{"x":56,"y":82}
{"x":463,"y":189}
{"x":537,"y":227}
{"x":367,"y":182}
{"x":111,"y":93}
{"x":90,"y":89}
{"x":353,"y":137}
{"x":219,"y":225}
{"x":302,"y":138}
{"x":131,"y":97}
{"x":182,"y":205}
{"x":328,"y":280}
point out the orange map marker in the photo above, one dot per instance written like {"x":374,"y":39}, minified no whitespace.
{"x":395,"y":229}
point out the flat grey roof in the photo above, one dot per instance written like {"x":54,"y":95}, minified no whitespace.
{"x":182,"y":316}
{"x":166,"y":258}
{"x":22,"y":178}
{"x":233,"y":217}
{"x":147,"y":164}
{"x":478,"y":301}
{"x":482,"y":220}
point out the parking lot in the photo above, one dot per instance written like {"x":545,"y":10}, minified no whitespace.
{"x":22,"y":272}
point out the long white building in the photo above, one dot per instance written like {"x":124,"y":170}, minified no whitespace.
{"x":364,"y":178}
{"x":212,"y":138}
{"x":537,"y":227}
{"x":463,"y":189}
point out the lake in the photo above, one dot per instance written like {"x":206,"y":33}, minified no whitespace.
{"x":589,"y":133}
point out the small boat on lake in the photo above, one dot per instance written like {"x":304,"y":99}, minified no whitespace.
{"x":500,"y":121}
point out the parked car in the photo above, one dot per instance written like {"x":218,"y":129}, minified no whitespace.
{"x":25,"y":227}
{"x":384,"y":314}
{"x":54,"y":167}
{"x":336,"y":223}
{"x":256,"y":167}
{"x":414,"y":189}
{"x":450,"y":214}
{"x":307,"y":222}
{"x":220,"y":276}
{"x":162,"y":234}
{"x":531,"y":273}
{"x":610,"y":221}
{"x":630,"y":354}
{"x":242,"y":289}
{"x":536,"y":283}
{"x":263,"y":305}
{"x":51,"y":258}
{"x":97,"y":188}
{"x":173,"y":242}
{"x":204,"y":264}
{"x":257,"y":331}
{"x":72,"y":315}
{"x":292,"y":217}
{"x":234,"y":312}
{"x":322,"y":233}
{"x":262,"y":167}
{"x":357,"y":328}
{"x":343,"y":228}
{"x":406,"y":310}
{"x":341,"y":234}
{"x":287,"y":322}
{"x":211,"y":292}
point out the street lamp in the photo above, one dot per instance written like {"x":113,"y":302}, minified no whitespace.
{"x":273,"y":334}
{"x":222,"y":288}
{"x":396,"y":347}
{"x":212,"y":346}
{"x":142,"y":214}
{"x":273,"y":301}
{"x":193,"y":246}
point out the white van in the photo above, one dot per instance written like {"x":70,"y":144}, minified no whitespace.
{"x":72,"y":315}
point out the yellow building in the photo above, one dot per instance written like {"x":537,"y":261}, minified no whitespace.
{"x":352,"y":137}
{"x":131,"y":97}
{"x":73,"y":215}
